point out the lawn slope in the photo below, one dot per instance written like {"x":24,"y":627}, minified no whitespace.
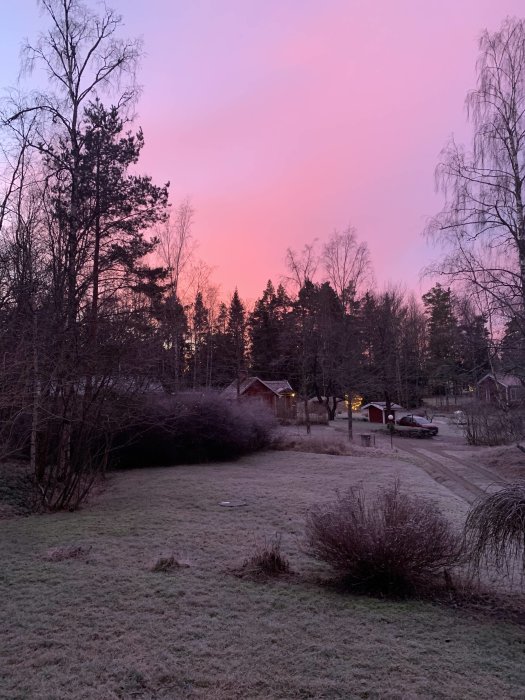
{"x":103,"y":625}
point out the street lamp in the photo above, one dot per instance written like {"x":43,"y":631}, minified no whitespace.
{"x":390,"y":419}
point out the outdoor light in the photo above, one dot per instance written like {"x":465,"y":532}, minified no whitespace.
{"x":390,"y":419}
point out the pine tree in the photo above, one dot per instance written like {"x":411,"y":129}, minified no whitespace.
{"x":236,"y":338}
{"x":268,"y":334}
{"x":219,"y":367}
{"x":443,"y":338}
{"x":114,"y":209}
{"x":200,"y":334}
{"x":173,"y":333}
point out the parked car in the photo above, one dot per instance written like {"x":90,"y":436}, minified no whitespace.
{"x":418,"y":422}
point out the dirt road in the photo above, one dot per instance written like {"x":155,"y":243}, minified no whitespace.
{"x":446,"y":458}
{"x":464,"y":478}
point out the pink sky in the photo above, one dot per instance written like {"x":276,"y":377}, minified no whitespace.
{"x":286,"y":119}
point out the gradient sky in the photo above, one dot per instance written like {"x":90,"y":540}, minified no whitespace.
{"x":286,"y":119}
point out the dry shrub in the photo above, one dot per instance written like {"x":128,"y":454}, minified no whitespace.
{"x":318,"y":445}
{"x":63,"y":552}
{"x":266,"y":562}
{"x":495,"y":529}
{"x":508,"y":460}
{"x":321,"y":444}
{"x":168,"y":563}
{"x":490,"y":425}
{"x":396,"y":545}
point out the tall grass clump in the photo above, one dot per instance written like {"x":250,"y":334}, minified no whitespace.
{"x":495,"y":530}
{"x":192,"y":428}
{"x":266,"y":562}
{"x":167,"y":562}
{"x":325,"y":445}
{"x":395,"y":544}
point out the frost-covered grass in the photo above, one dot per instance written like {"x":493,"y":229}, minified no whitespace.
{"x":102,"y":624}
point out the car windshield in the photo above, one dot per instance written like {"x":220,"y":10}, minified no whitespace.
{"x":420,"y":419}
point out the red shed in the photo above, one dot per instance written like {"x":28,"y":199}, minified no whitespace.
{"x":377,"y":412}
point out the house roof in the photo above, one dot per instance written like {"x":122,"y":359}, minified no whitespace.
{"x":278,"y":386}
{"x":381,"y":405}
{"x":503,"y":379}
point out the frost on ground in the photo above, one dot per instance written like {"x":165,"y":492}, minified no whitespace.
{"x":106,"y":625}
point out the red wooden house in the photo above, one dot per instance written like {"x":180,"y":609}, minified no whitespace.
{"x":506,"y":388}
{"x":277,"y":394}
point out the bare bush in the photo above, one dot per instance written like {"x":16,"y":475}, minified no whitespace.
{"x":396,"y":545}
{"x":490,"y":425}
{"x":495,"y":530}
{"x":188,"y":429}
{"x":266,"y":562}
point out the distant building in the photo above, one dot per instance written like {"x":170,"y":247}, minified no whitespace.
{"x":494,"y":387}
{"x":277,"y":394}
{"x":377,"y":412}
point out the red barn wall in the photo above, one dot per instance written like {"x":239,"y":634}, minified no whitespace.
{"x":375,"y":415}
{"x":259,"y":391}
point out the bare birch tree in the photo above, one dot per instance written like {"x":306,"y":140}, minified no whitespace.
{"x":302,"y":265}
{"x":483,"y":221}
{"x":347,"y":265}
{"x":176,"y":244}
{"x":348,"y":268}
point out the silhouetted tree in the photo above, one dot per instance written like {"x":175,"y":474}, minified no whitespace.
{"x":200,"y":336}
{"x":382,"y":321}
{"x":483,"y":221}
{"x":91,"y":236}
{"x":347,"y":265}
{"x":443,"y":340}
{"x":236,"y":338}
{"x":269,"y":333}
